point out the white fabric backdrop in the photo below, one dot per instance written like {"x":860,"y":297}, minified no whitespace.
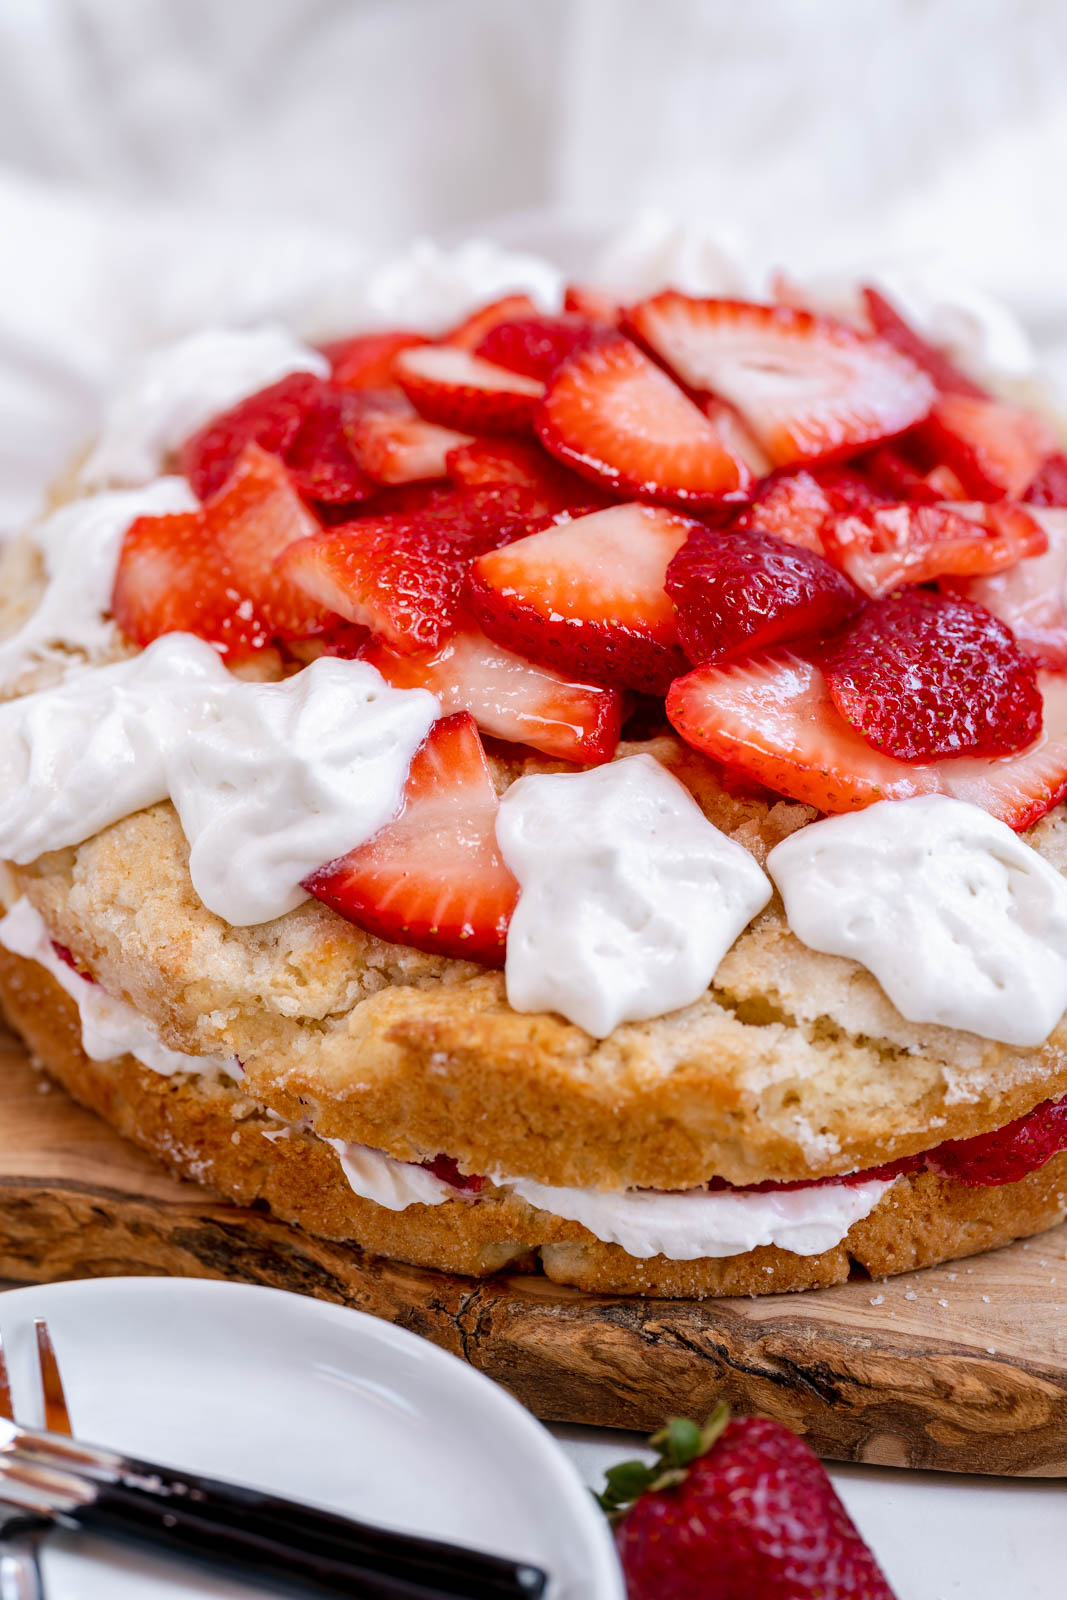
{"x":167,"y":162}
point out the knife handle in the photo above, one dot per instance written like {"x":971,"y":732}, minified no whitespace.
{"x":244,"y":1550}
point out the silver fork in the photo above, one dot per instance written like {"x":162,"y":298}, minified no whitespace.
{"x":22,"y":1527}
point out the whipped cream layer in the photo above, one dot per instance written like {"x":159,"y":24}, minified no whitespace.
{"x":721,"y":1222}
{"x":109,"y":1027}
{"x":683,"y":1226}
{"x":80,"y":544}
{"x":179,"y":387}
{"x":628,"y":896}
{"x":959,"y":920}
{"x":270,"y":780}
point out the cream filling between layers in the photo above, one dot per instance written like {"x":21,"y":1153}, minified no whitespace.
{"x":109,"y":1027}
{"x":681,"y":1226}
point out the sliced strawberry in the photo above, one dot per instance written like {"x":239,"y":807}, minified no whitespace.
{"x":924,"y":675}
{"x":320,"y":456}
{"x":538,"y":346}
{"x":527,"y":466}
{"x":212,"y":572}
{"x":737,"y":590}
{"x":995,"y":449}
{"x":255,"y":518}
{"x":433,"y":878}
{"x":593,"y":304}
{"x":887,"y":546}
{"x":736,"y":437}
{"x":1049,"y":487}
{"x":456,"y":389}
{"x":270,"y":418}
{"x":337,"y":638}
{"x":366,"y":362}
{"x":614,"y":416}
{"x":796,"y":505}
{"x":772,"y":718}
{"x":469,"y":333}
{"x":1006,"y":1154}
{"x":791,"y":505}
{"x":170,"y":580}
{"x":891,"y":470}
{"x":508,"y":697}
{"x":394,"y":445}
{"x":810,"y":389}
{"x":1032,"y":596}
{"x":889,"y":325}
{"x":401,"y":573}
{"x":588,"y":597}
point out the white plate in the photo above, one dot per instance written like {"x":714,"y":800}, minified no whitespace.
{"x":306,"y":1399}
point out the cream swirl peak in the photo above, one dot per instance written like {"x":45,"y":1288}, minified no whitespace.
{"x":629,"y":897}
{"x":269,"y":780}
{"x":960,"y":921}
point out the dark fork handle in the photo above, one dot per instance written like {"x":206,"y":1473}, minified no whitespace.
{"x":201,"y":1515}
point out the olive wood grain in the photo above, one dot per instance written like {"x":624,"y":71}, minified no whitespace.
{"x":961,"y":1367}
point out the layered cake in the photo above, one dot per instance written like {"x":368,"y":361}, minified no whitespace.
{"x":573,"y":790}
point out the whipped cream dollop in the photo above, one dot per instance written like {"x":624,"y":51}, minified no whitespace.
{"x":80,"y":544}
{"x":431,"y":287}
{"x":656,"y":251}
{"x":287,"y":777}
{"x":961,"y":922}
{"x":109,"y":1027}
{"x":270,"y":780}
{"x":628,"y":896}
{"x":177,"y":388}
{"x":93,"y":749}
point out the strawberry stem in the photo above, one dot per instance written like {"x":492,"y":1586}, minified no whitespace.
{"x":678,"y":1444}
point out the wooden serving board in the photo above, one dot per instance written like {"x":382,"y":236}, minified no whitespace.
{"x":961,"y":1367}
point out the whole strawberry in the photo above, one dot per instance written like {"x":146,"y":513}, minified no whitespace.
{"x":737,"y":1510}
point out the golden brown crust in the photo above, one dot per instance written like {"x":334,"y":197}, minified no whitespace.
{"x":217,"y":1134}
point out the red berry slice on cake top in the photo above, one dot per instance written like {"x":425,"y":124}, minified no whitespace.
{"x":524,"y":464}
{"x":613,"y":415}
{"x":433,"y":877}
{"x":887,"y":546}
{"x":810,"y":389}
{"x":922,"y":675}
{"x":772,"y":717}
{"x":995,"y":449}
{"x":796,"y":506}
{"x":456,"y":389}
{"x":588,"y":597}
{"x":538,"y":346}
{"x":401,"y":573}
{"x":740,"y":590}
{"x":213,"y":572}
{"x":509,"y":697}
{"x":366,"y":362}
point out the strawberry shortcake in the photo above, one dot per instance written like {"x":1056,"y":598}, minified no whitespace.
{"x":576,"y":791}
